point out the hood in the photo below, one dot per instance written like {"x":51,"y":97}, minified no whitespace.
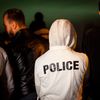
{"x":62,"y":33}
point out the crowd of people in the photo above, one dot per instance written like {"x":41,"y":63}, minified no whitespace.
{"x":37,"y":63}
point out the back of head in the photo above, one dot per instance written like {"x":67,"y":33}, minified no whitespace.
{"x":15,"y":15}
{"x":38,"y":16}
{"x":62,"y":33}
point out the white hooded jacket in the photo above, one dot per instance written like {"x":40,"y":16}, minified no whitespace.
{"x":59,"y":73}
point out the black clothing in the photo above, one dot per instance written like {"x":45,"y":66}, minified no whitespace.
{"x":22,"y":53}
{"x":91,"y":46}
{"x":36,"y":25}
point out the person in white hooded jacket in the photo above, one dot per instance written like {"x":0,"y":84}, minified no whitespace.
{"x":59,"y":73}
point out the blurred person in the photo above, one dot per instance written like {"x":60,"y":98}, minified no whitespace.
{"x":38,"y":26}
{"x":91,"y":46}
{"x":6,"y":78}
{"x":60,"y":72}
{"x":22,"y":51}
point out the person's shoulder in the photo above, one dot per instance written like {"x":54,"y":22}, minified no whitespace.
{"x":3,"y":53}
{"x":39,"y":42}
{"x":43,"y":57}
{"x":1,"y":49}
{"x":83,"y":57}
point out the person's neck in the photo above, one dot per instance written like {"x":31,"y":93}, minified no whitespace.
{"x":20,"y":28}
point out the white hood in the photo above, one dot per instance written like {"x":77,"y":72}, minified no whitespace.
{"x":62,"y":33}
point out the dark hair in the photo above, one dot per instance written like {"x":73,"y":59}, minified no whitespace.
{"x":38,"y":16}
{"x":16,"y":15}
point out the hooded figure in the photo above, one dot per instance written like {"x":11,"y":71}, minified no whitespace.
{"x":59,"y":73}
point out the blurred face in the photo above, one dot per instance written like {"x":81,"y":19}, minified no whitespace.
{"x":8,"y":26}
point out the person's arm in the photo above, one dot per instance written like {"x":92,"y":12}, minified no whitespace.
{"x":86,"y":82}
{"x":8,"y":72}
{"x":9,"y":75}
{"x":5,"y":72}
{"x":1,"y":64}
{"x":37,"y":80}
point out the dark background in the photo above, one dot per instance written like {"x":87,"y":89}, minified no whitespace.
{"x":80,"y":12}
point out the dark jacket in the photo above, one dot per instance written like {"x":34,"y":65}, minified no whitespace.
{"x":23,"y":51}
